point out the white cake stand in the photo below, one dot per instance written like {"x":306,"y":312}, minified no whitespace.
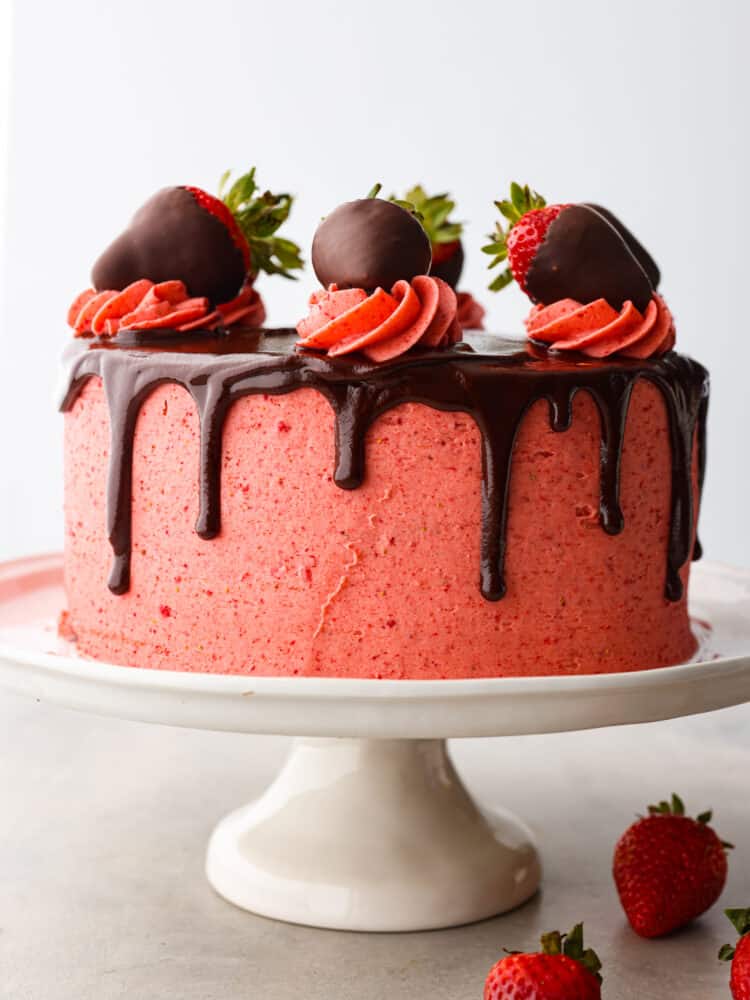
{"x":368,"y":826}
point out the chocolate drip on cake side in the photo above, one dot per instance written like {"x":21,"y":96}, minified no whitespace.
{"x":217,"y":371}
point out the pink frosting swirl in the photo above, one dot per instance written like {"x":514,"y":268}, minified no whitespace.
{"x":144,"y":305}
{"x":596,"y":329}
{"x":470,"y":314}
{"x":382,"y":325}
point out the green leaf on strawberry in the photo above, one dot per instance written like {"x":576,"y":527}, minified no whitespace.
{"x":434,"y":211}
{"x":738,"y":955}
{"x":501,"y":281}
{"x":259,"y":216}
{"x":571,"y":944}
{"x":740,"y":920}
{"x":674,"y":808}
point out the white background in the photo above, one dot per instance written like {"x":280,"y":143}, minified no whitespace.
{"x":641,"y":106}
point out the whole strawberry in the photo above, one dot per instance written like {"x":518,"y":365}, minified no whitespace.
{"x":562,"y":970}
{"x":213,"y":245}
{"x":567,"y":251}
{"x":739,"y":955}
{"x":668,"y":869}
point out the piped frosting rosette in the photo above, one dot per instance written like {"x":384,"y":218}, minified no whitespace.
{"x":381,"y":325}
{"x":599,"y":330}
{"x":165,"y":305}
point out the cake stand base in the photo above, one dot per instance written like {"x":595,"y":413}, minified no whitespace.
{"x":372,"y":835}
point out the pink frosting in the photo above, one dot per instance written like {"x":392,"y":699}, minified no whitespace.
{"x":470,"y":314}
{"x":596,"y":329}
{"x":382,"y":325}
{"x":144,"y":305}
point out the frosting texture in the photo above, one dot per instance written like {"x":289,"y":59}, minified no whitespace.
{"x":597,"y":329}
{"x":382,"y":325}
{"x":145,"y":305}
{"x":470,"y":314}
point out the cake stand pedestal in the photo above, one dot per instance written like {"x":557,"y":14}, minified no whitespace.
{"x":368,"y":826}
{"x":376,"y":835}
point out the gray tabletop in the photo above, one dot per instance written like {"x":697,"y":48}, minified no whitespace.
{"x":103,"y":825}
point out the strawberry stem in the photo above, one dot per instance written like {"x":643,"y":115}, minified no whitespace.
{"x":408,"y":206}
{"x":571,"y":945}
{"x":676,"y":807}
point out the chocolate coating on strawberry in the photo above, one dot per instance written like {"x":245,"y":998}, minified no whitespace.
{"x":370,"y":243}
{"x":637,"y":249}
{"x":172,"y":237}
{"x":583,"y":257}
{"x":448,"y":266}
{"x":564,"y":251}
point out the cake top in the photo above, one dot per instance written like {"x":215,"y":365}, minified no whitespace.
{"x":280,"y":345}
{"x":388,"y":269}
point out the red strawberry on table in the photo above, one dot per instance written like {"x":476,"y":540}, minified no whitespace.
{"x":739,"y":955}
{"x":562,"y":970}
{"x":668,"y":869}
{"x":214,"y":245}
{"x":567,"y":251}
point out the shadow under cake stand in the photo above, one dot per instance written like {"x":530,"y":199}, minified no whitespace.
{"x":368,"y":826}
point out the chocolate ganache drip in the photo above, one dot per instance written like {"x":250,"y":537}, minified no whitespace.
{"x":495,"y":381}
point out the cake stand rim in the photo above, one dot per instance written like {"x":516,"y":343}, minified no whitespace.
{"x":25,"y":670}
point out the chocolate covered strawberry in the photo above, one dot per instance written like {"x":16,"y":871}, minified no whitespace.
{"x":213,"y":245}
{"x":562,"y":970}
{"x":372,"y":257}
{"x":739,"y":955}
{"x":370,"y":243}
{"x":668,"y":869}
{"x":565,"y":251}
{"x":443,"y":233}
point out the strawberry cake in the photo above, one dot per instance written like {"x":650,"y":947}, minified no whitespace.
{"x":379,"y":492}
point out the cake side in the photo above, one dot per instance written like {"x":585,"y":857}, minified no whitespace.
{"x":382,"y":580}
